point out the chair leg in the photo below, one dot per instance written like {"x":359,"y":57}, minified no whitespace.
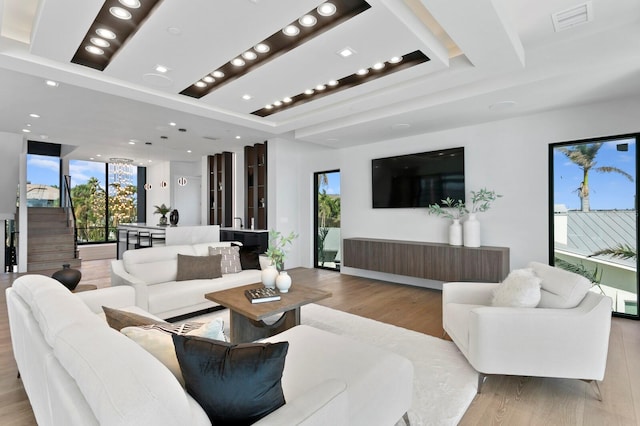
{"x":405,"y":417}
{"x":481,"y":378}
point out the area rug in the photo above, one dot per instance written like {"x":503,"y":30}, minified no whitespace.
{"x":444,"y":382}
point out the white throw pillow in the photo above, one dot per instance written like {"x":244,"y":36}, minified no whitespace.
{"x":560,"y":289}
{"x":230,"y":262}
{"x":156,"y":339}
{"x":521,"y":289}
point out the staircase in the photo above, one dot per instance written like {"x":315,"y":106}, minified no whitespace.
{"x":51,"y":240}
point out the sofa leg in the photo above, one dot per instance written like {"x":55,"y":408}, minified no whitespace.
{"x":405,"y":417}
{"x":18,"y":374}
{"x":481,"y":378}
{"x":596,"y":388}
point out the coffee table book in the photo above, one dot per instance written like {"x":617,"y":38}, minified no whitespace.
{"x":261,"y":295}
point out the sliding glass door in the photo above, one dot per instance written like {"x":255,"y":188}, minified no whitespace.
{"x":594,"y":220}
{"x":327,"y":220}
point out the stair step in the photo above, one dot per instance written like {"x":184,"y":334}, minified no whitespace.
{"x":47,"y":222}
{"x":45,"y":210}
{"x":42,"y":232}
{"x":52,"y":265}
{"x":45,"y":239}
{"x":50,"y":256}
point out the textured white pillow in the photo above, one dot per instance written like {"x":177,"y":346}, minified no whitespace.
{"x":230,"y":262}
{"x":156,"y":339}
{"x":521,"y":289}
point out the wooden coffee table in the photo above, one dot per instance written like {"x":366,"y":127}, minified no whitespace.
{"x":246,"y":318}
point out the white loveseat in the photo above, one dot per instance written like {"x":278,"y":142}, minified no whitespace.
{"x":152,"y":274}
{"x":566,"y":336}
{"x":78,"y":371}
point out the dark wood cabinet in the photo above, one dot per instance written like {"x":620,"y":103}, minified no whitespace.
{"x":247,"y":238}
{"x":432,"y":261}
{"x":221,"y":189}
{"x":255,"y":158}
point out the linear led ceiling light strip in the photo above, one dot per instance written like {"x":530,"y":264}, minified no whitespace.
{"x":308,"y":26}
{"x":115,"y":23}
{"x":377,"y":70}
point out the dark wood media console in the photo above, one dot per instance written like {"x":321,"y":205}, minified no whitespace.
{"x":434,"y":261}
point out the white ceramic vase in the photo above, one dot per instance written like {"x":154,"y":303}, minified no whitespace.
{"x":471,"y":231}
{"x":283,"y":282}
{"x":269,"y":275}
{"x":455,"y":233}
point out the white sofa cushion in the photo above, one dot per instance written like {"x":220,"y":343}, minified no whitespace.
{"x":560,"y":288}
{"x":140,"y":391}
{"x":521,"y":289}
{"x":155,"y":265}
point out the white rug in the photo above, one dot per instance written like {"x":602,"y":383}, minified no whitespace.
{"x":444,"y":382}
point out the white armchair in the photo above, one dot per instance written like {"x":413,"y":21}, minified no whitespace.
{"x":543,"y":342}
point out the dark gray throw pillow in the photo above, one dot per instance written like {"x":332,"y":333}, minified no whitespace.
{"x":234,"y":384}
{"x":198,"y":267}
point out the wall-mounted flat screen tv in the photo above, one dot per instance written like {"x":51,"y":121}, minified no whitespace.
{"x":418,"y":180}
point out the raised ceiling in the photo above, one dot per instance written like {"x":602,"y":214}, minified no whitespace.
{"x":481,"y":52}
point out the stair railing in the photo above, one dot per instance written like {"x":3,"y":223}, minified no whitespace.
{"x":67,"y":204}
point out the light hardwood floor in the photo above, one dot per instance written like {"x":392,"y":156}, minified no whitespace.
{"x":504,"y":400}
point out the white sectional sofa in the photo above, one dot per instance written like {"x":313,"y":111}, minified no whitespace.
{"x":152,"y":274}
{"x":77,"y":370}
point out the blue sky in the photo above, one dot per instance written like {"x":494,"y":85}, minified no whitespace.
{"x":44,"y":169}
{"x":607,"y":190}
{"x":334,"y":184}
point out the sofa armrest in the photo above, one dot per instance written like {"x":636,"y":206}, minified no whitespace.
{"x":120,"y":277}
{"x":571,"y":343}
{"x":468,"y":293}
{"x":113,"y":297}
{"x":325,"y":404}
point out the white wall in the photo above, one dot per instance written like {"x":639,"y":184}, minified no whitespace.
{"x":11,"y":147}
{"x":156,"y":174}
{"x":509,"y":156}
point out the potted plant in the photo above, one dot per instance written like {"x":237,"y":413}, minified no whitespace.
{"x":454,"y":210}
{"x":276,"y":254}
{"x":162,"y":209}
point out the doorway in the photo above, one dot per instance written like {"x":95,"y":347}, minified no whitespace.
{"x":327,"y":220}
{"x":594,"y":220}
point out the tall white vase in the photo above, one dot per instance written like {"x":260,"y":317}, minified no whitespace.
{"x":471,"y":231}
{"x":268,"y":276}
{"x":455,"y":233}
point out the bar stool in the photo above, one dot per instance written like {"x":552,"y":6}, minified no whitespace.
{"x":144,"y":240}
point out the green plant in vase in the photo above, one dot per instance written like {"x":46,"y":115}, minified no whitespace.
{"x":277,"y":247}
{"x":162,"y":209}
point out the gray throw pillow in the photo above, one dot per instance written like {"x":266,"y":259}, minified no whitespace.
{"x":118,"y":319}
{"x":198,"y":267}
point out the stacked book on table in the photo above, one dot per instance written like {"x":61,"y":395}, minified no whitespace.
{"x":263,"y":294}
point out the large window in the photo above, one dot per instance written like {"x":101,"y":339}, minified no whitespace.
{"x":104,"y":195}
{"x":327,"y":219}
{"x":593,"y":189}
{"x":43,"y":181}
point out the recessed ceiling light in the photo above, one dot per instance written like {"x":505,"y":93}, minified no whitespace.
{"x":201,"y":84}
{"x":132,"y":142}
{"x":150,"y":161}
{"x":261,"y":48}
{"x":174,"y":31}
{"x":26,"y":130}
{"x":291,"y":30}
{"x":395,"y":59}
{"x":28,"y":125}
{"x":333,"y":83}
{"x":52,"y":83}
{"x":44,"y":136}
{"x":346,"y":52}
{"x":105,"y":33}
{"x":91,"y":158}
{"x":378,"y":65}
{"x":246,"y":97}
{"x":133,"y":4}
{"x":321,"y":87}
{"x":172,"y":124}
{"x":268,"y":106}
{"x":161,"y":68}
{"x":98,"y":155}
{"x":208,"y":79}
{"x":287,"y":100}
{"x":326,"y":9}
{"x":277,"y":103}
{"x":120,"y":13}
{"x":308,"y":92}
{"x":502,"y":105}
{"x":34,"y":115}
{"x":100,"y":42}
{"x":238,"y":62}
{"x":238,"y":137}
{"x":189,"y":151}
{"x":217,"y":74}
{"x":308,"y":21}
{"x":362,"y":71}
{"x":249,"y":55}
{"x":94,"y":49}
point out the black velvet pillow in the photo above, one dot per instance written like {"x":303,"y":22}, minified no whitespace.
{"x":234,"y":384}
{"x":249,"y":257}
